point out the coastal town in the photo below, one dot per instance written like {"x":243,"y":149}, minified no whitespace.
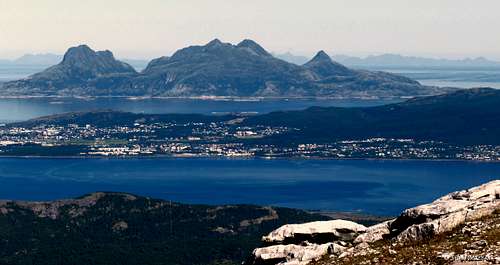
{"x":215,"y":139}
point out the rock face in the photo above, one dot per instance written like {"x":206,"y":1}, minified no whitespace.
{"x":322,"y":231}
{"x":375,"y":233}
{"x":294,"y":254}
{"x":214,"y":69}
{"x":303,"y":243}
{"x":447,"y":212}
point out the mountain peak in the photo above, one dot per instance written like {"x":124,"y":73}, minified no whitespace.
{"x":253,"y":47}
{"x":323,"y":65}
{"x":82,"y":63}
{"x":78,"y":53}
{"x":106,"y":53}
{"x":81,"y":47}
{"x":213,"y":69}
{"x":215,"y":42}
{"x":321,"y":56}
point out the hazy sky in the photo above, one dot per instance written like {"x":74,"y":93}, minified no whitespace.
{"x":150,"y":28}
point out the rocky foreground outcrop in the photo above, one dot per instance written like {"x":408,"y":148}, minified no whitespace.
{"x":327,"y":231}
{"x":342,"y":241}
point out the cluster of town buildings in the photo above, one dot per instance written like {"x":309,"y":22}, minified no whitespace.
{"x":216,"y":139}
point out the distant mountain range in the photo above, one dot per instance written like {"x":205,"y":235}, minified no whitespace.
{"x":465,"y":117}
{"x":49,"y":59}
{"x":215,"y":69}
{"x":381,"y":61}
{"x":292,"y":58}
{"x":35,"y":59}
{"x":389,"y":61}
{"x":396,"y":61}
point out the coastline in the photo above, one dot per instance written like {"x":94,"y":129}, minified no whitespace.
{"x":214,"y":98}
{"x":170,"y":157}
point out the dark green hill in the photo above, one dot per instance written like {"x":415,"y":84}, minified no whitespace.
{"x":106,"y":118}
{"x":463,"y":117}
{"x":115,"y":228}
{"x":466,"y":117}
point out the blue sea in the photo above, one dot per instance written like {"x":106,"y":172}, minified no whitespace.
{"x":22,"y":109}
{"x":457,"y":77}
{"x":367,"y":186}
{"x":375,"y":187}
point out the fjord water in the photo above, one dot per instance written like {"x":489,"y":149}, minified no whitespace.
{"x":458,"y":77}
{"x":20,"y":109}
{"x":376,"y":187}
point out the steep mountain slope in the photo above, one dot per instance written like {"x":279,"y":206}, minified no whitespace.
{"x":324,"y":66}
{"x":214,"y":69}
{"x":223,"y":69}
{"x":117,"y":228}
{"x":247,"y":69}
{"x":81,"y":69}
{"x":332,"y":76}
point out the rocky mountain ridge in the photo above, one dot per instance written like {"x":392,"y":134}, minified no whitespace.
{"x":215,"y":69}
{"x":461,"y":215}
{"x":80,"y":67}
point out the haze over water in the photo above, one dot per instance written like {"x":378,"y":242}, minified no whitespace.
{"x":23,"y":109}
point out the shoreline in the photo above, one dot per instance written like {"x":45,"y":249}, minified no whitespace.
{"x":214,"y":98}
{"x":170,"y":157}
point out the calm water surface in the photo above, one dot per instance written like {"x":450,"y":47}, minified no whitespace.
{"x":462,"y":78}
{"x":23,"y":109}
{"x":377,"y":187}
